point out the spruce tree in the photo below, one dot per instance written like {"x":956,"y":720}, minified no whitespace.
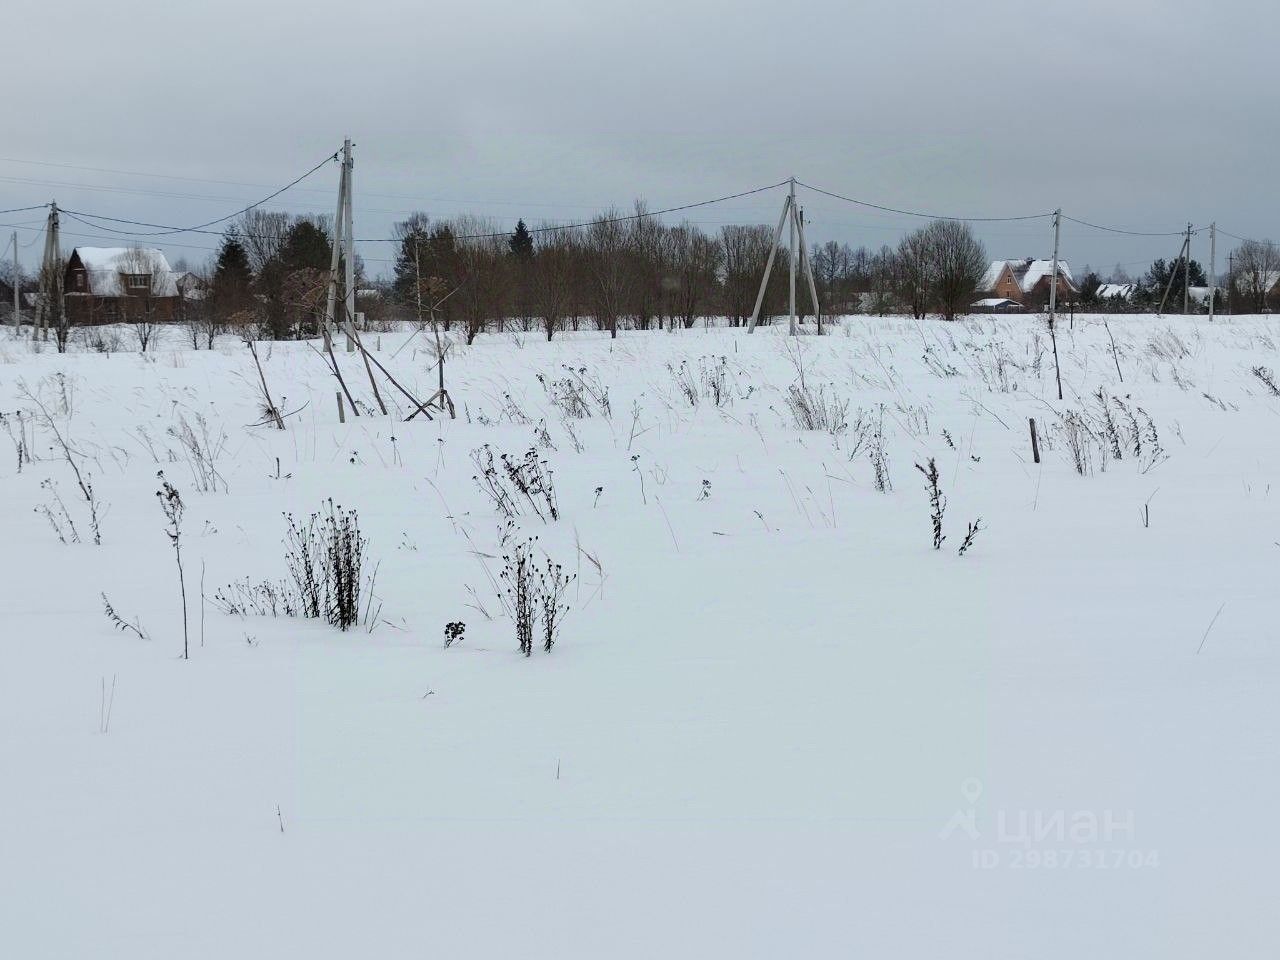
{"x":306,"y":246}
{"x":230,"y":289}
{"x":521,"y":242}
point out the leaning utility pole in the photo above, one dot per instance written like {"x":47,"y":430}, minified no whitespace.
{"x":790,"y":214}
{"x":1213,"y":267}
{"x":1185,"y":248}
{"x":808,"y":269}
{"x":1053,"y":297}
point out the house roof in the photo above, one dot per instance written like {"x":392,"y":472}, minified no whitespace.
{"x":1026,"y":273}
{"x":992,"y":276}
{"x":992,"y":303}
{"x":1109,"y":291}
{"x":104,"y":265}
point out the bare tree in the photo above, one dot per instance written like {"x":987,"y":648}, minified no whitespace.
{"x":305,"y":292}
{"x":745,"y":253}
{"x":832,"y":274}
{"x":694,"y":262}
{"x":607,"y":245}
{"x":956,"y":263}
{"x":913,"y":276}
{"x":484,"y":287}
{"x":148,"y":292}
{"x":881,"y":275}
{"x":1257,"y":271}
{"x":554,"y":269}
{"x":203,"y":321}
{"x":645,"y":256}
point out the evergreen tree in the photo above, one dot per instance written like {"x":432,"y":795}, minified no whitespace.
{"x":521,"y":242}
{"x":1089,"y":286}
{"x":414,"y":241}
{"x":231,"y":287}
{"x":306,"y":246}
{"x":1157,"y":280}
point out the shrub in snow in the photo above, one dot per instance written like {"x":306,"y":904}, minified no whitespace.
{"x":817,"y":410}
{"x":325,"y":556}
{"x":1268,"y":379}
{"x":535,"y":597}
{"x":937,"y":502}
{"x":173,"y":507}
{"x":516,"y":486}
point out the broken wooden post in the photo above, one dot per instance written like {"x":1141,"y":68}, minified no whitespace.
{"x":1035,"y":441}
{"x":342,"y":413}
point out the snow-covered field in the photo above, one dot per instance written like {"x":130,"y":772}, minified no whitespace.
{"x":777,"y":722}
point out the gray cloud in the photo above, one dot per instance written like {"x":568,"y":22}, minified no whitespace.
{"x":1144,"y":114}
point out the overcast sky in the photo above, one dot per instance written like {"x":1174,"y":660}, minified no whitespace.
{"x":1138,"y":113}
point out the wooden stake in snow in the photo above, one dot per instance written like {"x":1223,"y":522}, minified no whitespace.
{"x":342,"y":413}
{"x":1035,"y":440}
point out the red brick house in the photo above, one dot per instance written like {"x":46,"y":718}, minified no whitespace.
{"x":1027,"y":282}
{"x":119,"y":285}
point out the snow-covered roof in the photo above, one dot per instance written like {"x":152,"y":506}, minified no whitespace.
{"x":1110,"y":291}
{"x":105,"y":265}
{"x":992,"y":275}
{"x":1037,"y":270}
{"x":992,"y":303}
{"x":1026,"y":272}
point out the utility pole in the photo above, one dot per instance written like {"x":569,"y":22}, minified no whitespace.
{"x":1231,"y":279}
{"x":790,"y":215}
{"x":1053,"y":297}
{"x":350,"y":250}
{"x":1186,"y":275}
{"x":1213,"y":267}
{"x":344,"y":246}
{"x":791,"y":231}
{"x":1185,"y":248}
{"x":808,"y":269}
{"x":17,"y":311}
{"x":50,"y":298}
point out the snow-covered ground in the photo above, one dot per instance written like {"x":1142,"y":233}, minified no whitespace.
{"x":777,"y":722}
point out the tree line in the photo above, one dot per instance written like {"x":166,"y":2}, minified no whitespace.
{"x":619,"y":271}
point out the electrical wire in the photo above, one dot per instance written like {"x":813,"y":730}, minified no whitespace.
{"x":917,"y":213}
{"x":1131,"y":233}
{"x":164,"y":230}
{"x":38,"y":206}
{"x":601,"y":220}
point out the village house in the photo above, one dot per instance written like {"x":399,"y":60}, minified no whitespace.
{"x":118,"y":285}
{"x":1026,"y":282}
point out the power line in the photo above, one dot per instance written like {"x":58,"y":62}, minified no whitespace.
{"x":1131,"y":233}
{"x":163,"y":230}
{"x":38,"y":206}
{"x":917,"y":213}
{"x":160,"y":229}
{"x":602,"y":220}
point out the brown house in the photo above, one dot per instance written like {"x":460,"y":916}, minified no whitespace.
{"x":119,"y":285}
{"x":1027,"y":282}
